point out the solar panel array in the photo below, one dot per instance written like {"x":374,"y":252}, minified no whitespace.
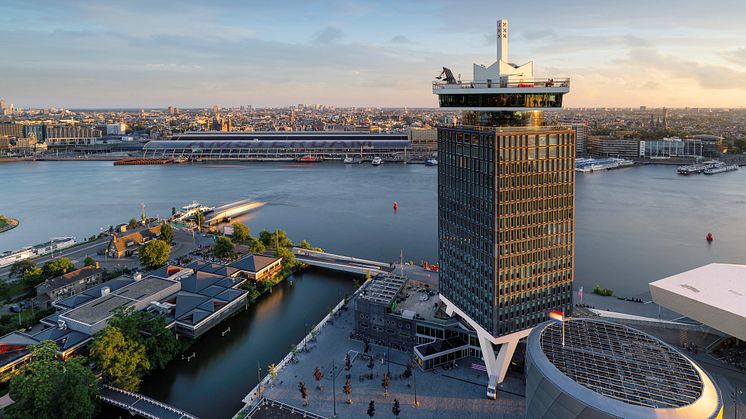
{"x":622,"y":363}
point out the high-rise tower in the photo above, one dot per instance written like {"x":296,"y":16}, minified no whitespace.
{"x":506,"y":185}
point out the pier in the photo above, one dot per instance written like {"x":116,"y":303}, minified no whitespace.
{"x":341,"y":263}
{"x":138,"y":404}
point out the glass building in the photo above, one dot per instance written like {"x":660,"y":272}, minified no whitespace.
{"x":506,"y":185}
{"x":505,"y":223}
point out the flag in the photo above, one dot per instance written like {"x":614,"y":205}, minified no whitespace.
{"x":557,"y":316}
{"x":580,"y":293}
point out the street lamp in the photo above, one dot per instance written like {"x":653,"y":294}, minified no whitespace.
{"x":414,"y":378}
{"x":334,"y":387}
{"x":735,"y":395}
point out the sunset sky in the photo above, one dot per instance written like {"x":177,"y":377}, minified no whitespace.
{"x":145,"y":53}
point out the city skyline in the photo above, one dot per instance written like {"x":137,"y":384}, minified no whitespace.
{"x":79,"y":55}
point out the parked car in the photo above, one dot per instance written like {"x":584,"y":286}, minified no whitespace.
{"x":15,"y":308}
{"x":25,"y":305}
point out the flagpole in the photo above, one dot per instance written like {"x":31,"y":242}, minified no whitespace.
{"x":563,"y":331}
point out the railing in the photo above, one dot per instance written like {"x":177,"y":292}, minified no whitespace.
{"x":140,"y":397}
{"x":503,"y":84}
{"x":254,"y":395}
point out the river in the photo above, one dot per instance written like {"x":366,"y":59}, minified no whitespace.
{"x":633,"y":226}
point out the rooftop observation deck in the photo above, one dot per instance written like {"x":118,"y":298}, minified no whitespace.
{"x":505,"y":85}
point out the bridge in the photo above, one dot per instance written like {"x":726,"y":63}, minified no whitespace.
{"x":341,"y":263}
{"x":137,"y":404}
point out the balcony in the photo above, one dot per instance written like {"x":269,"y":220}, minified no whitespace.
{"x":560,"y":85}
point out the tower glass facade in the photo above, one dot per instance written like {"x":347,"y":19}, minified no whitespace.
{"x":506,"y":222}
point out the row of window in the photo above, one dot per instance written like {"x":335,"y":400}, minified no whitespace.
{"x":534,"y":219}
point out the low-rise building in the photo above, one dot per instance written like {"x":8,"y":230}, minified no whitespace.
{"x":67,"y":285}
{"x":257,"y":267}
{"x":613,"y":147}
{"x":123,"y":245}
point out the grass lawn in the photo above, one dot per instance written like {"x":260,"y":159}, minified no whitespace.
{"x":3,"y":221}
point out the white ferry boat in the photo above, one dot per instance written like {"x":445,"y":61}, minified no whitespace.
{"x":377,"y":161}
{"x":191,"y":210}
{"x":720,"y":169}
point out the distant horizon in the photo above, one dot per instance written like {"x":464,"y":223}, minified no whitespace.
{"x":82,"y":55}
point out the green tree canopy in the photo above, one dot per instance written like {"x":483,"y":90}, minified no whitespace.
{"x":256,"y":246}
{"x":160,"y":343}
{"x":49,"y":388}
{"x":223,"y":247}
{"x":33,"y":277}
{"x":20,"y":267}
{"x":154,"y":254}
{"x":122,"y":361}
{"x":132,"y":224}
{"x":89,"y":261}
{"x":167,"y":233}
{"x":241,"y":233}
{"x":288,"y":258}
{"x":58,"y":267}
{"x":199,"y":219}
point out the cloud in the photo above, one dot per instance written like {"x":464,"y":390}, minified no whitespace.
{"x":327,"y":35}
{"x":737,"y":56}
{"x":400,"y":39}
{"x":708,"y":76}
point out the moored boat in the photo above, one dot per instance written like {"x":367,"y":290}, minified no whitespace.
{"x":377,"y":161}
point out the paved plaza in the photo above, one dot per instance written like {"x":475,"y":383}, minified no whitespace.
{"x":455,"y":392}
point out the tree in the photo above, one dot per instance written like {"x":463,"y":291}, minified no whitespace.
{"x":395,"y":409}
{"x":58,"y":267}
{"x":266,"y":238}
{"x":372,"y":408}
{"x":40,"y":386}
{"x":288,"y":258}
{"x":167,"y":233}
{"x":305,"y":244}
{"x":256,"y":246}
{"x":371,"y":365}
{"x":33,"y":277}
{"x":348,"y":390}
{"x":303,"y":392}
{"x":122,"y":361}
{"x":241,"y":233}
{"x":199,"y":220}
{"x":366,"y":345}
{"x":385,"y":384}
{"x":294,"y":351}
{"x":161,"y":345}
{"x":272,"y":368}
{"x":20,"y":267}
{"x":348,"y":362}
{"x":408,"y":371}
{"x":223,"y":247}
{"x":89,"y":261}
{"x":318,"y":375}
{"x":132,"y":224}
{"x":154,"y":254}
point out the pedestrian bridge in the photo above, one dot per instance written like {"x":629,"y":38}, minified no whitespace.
{"x":137,"y":404}
{"x":341,"y":263}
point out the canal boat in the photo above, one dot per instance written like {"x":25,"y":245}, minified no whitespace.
{"x":309,"y":159}
{"x":377,"y":161}
{"x":348,"y":160}
{"x":720,"y":169}
{"x":431,"y":162}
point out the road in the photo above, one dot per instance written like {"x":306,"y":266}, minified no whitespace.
{"x":183,"y":244}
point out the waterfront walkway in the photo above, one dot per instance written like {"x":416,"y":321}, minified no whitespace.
{"x":456,"y":392}
{"x":341,"y":263}
{"x":137,"y":404}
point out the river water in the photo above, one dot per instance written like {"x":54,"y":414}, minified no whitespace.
{"x":633,"y":226}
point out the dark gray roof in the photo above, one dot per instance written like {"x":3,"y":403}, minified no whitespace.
{"x":253,"y":263}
